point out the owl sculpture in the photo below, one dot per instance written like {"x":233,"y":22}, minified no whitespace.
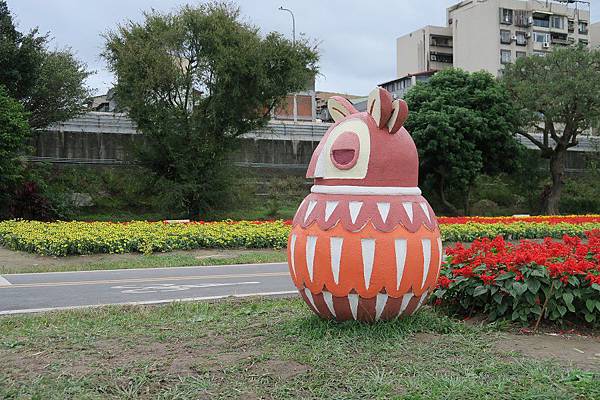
{"x":365,"y":245}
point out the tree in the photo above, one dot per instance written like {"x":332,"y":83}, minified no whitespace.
{"x":50,"y":84}
{"x":463,"y":125}
{"x":194,"y":81}
{"x":14,"y":132}
{"x":559,"y":96}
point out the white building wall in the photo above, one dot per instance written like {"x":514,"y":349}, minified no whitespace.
{"x":413,"y":51}
{"x":595,"y":35}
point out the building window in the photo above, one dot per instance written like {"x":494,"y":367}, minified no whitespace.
{"x":541,"y":37}
{"x":571,"y":26}
{"x":584,"y":41}
{"x":505,"y":57}
{"x":441,"y":41}
{"x":543,"y":21}
{"x":539,"y":53}
{"x":521,"y":54}
{"x":521,"y":18}
{"x":583,"y":28}
{"x":559,"y":38}
{"x":521,"y":38}
{"x":440,"y":57}
{"x":506,"y":16}
{"x":557,"y":22}
{"x":505,"y":36}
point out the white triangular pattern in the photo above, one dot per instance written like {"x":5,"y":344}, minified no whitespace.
{"x":311,"y":243}
{"x":368,"y":256}
{"x":380,"y":303}
{"x":409,"y":210}
{"x":310,"y":298}
{"x":355,"y":207}
{"x":400,"y":247}
{"x":311,"y":206}
{"x":336,"y":256}
{"x":329,"y":302}
{"x":293,"y":254}
{"x":353,"y":301}
{"x":384,"y":210}
{"x":440,"y":250}
{"x":330,"y":208}
{"x":425,"y":210}
{"x":421,"y":300}
{"x":426,"y":245}
{"x":405,"y":300}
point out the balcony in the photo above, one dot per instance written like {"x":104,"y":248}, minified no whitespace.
{"x":441,"y":41}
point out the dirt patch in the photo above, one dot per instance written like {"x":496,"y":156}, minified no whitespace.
{"x":578,"y":351}
{"x":282,"y":370}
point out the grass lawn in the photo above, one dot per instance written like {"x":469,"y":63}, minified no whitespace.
{"x":25,"y":263}
{"x":263,"y":348}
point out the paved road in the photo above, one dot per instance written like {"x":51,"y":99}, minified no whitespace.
{"x":24,"y":293}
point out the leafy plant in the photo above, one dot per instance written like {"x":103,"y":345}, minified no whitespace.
{"x":526,"y":282}
{"x":194,"y":81}
{"x":559,"y":96}
{"x":463,"y":125}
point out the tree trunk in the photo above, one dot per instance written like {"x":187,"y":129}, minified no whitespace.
{"x":453,"y":210}
{"x":557,"y":171}
{"x":467,"y":201}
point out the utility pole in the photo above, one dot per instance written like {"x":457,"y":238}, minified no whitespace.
{"x":281,"y":8}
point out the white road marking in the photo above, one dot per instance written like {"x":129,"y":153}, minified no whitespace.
{"x":171,"y":287}
{"x":4,"y":282}
{"x":149,"y":302}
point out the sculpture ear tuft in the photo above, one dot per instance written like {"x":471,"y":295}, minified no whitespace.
{"x":339,"y":108}
{"x":399,"y":115}
{"x":379,"y":106}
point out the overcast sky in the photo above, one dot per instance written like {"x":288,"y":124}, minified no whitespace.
{"x":357,"y":37}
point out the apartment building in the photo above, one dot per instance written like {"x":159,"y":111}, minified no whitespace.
{"x":595,"y":35}
{"x":426,"y":49}
{"x":486,"y":34}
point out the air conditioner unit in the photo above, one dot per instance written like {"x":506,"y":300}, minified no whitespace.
{"x":546,"y":45}
{"x":507,"y":19}
{"x":433,"y":57}
{"x":514,"y":38}
{"x":530,"y":20}
{"x":528,"y":35}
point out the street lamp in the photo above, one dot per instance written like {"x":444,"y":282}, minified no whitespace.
{"x":281,"y":8}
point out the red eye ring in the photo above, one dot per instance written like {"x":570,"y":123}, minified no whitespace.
{"x":345,"y":150}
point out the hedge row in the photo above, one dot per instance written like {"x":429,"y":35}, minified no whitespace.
{"x":66,"y":238}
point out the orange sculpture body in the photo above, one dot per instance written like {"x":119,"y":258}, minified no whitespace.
{"x":365,"y":245}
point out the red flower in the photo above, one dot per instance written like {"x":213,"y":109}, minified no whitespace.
{"x":444,"y":281}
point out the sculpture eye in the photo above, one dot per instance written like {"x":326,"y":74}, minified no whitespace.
{"x":345,"y":150}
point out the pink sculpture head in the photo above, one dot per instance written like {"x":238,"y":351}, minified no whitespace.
{"x":369,"y":148}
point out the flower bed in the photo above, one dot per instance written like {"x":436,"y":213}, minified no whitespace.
{"x":64,"y":238}
{"x":524,"y":282}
